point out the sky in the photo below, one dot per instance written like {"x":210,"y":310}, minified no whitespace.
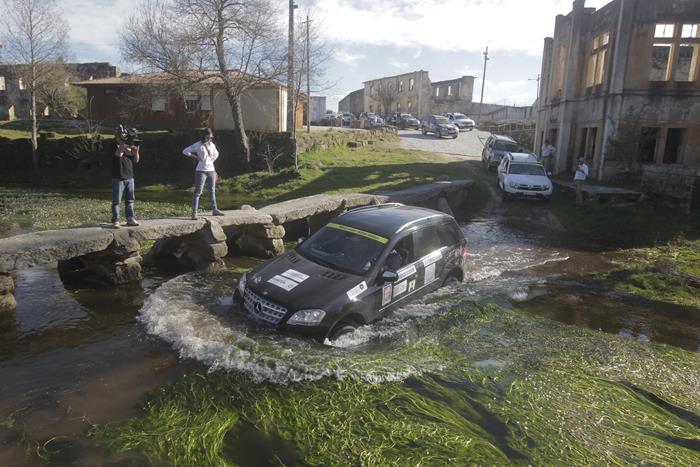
{"x":370,"y":39}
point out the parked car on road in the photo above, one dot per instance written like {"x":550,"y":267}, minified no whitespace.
{"x":347,"y":118}
{"x":372,"y":119}
{"x":496,"y":147}
{"x":522,"y":175}
{"x":355,"y":270}
{"x":461,"y":121}
{"x":439,"y":125}
{"x":330,"y":118}
{"x":408,"y":121}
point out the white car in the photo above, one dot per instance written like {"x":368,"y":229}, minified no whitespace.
{"x":520,"y":174}
{"x":460,"y":120}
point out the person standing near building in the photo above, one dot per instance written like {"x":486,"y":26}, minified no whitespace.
{"x":205,"y":153}
{"x":126,"y":154}
{"x":579,"y":179}
{"x":548,"y":151}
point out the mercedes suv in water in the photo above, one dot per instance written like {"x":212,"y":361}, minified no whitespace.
{"x":355,"y":270}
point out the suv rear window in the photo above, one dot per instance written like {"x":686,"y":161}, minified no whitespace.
{"x":505,"y":146}
{"x":449,"y":234}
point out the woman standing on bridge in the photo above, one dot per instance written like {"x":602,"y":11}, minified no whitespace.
{"x":205,"y":153}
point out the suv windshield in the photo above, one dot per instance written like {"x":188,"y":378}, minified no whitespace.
{"x":344,"y":248}
{"x":441,"y":120}
{"x":525,"y":169}
{"x":505,"y":146}
{"x":460,"y":116}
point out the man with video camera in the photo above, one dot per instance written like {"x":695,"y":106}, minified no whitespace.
{"x":126,"y":154}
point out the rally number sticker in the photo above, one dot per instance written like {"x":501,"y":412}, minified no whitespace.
{"x":357,"y":290}
{"x":295,"y":275}
{"x":283,"y":283}
{"x":386,"y":294}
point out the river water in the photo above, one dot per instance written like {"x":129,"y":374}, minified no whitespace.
{"x":74,"y":359}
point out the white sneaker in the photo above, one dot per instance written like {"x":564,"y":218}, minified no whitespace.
{"x":132,"y":222}
{"x":115,"y":224}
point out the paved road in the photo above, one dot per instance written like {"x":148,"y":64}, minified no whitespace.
{"x":469,"y":143}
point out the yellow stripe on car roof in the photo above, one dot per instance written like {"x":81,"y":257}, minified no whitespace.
{"x":363,"y":233}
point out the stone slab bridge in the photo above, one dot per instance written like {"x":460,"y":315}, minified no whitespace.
{"x":96,"y":255}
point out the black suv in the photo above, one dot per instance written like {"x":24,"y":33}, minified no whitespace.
{"x":355,"y":270}
{"x":439,"y":125}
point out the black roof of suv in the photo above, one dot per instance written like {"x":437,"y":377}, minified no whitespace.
{"x":388,"y":219}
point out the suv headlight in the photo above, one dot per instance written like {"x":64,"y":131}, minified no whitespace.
{"x":513,"y":185}
{"x":307,"y":318}
{"x":241,"y":284}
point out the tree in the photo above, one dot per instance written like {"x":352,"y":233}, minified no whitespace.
{"x":386,"y":95}
{"x":36,"y":39}
{"x":58,"y":95}
{"x":235,"y":44}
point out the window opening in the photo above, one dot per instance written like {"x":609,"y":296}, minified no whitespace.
{"x":674,"y":144}
{"x":660,"y":57}
{"x":664,"y":31}
{"x":647,"y":144}
{"x":410,"y":84}
{"x":689,"y":31}
{"x":686,"y":62}
{"x":2,"y":83}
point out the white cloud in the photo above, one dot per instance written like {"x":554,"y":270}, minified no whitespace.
{"x":348,"y":58}
{"x":400,"y":65}
{"x":454,"y":25}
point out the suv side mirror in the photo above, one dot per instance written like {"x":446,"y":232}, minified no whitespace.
{"x":390,"y":276}
{"x":301,"y":240}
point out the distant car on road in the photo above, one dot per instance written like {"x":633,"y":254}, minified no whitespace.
{"x":521,"y":174}
{"x":439,"y":125}
{"x":496,"y":147}
{"x":347,"y":118}
{"x":408,"y":121}
{"x":355,"y":270}
{"x":460,"y":120}
{"x":372,"y":118}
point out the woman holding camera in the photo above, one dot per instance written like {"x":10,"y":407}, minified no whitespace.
{"x":205,"y":153}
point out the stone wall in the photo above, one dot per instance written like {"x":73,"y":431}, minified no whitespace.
{"x":679,"y":183}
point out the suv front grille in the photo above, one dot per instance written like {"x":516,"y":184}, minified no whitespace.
{"x":532,"y":187}
{"x":262,"y":309}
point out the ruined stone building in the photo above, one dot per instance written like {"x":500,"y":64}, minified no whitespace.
{"x":412,"y":93}
{"x":621,"y":87}
{"x":14,"y":95}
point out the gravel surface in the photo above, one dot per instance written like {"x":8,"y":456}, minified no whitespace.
{"x":469,"y":143}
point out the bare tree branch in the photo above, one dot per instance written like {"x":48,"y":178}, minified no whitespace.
{"x":36,"y":37}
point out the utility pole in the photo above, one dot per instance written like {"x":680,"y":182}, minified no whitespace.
{"x":483,"y":82}
{"x":308,"y":76}
{"x":538,"y":88}
{"x":290,"y":72}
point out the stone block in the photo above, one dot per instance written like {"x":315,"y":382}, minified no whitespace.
{"x":261,"y":247}
{"x":266,"y":231}
{"x":7,"y":303}
{"x":7,"y":285}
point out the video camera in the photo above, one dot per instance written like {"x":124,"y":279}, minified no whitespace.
{"x":132,"y":135}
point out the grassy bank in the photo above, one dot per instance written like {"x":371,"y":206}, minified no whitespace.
{"x":321,"y":171}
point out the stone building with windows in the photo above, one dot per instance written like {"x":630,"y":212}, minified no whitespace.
{"x":621,"y":87}
{"x":414,"y":93}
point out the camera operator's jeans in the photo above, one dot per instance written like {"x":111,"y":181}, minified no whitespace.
{"x":200,"y":179}
{"x":123,"y":188}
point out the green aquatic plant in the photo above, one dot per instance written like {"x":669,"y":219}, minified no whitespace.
{"x":669,"y":273}
{"x":511,"y":389}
